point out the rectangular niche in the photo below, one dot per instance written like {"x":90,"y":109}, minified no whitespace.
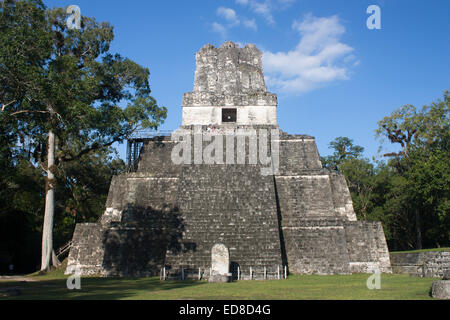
{"x":229,"y":115}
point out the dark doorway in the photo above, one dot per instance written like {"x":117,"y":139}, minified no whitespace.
{"x":229,"y":115}
{"x":234,"y":269}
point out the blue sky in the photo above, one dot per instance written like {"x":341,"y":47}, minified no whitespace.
{"x":333,"y":76}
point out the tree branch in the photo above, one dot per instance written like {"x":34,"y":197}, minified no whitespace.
{"x":28,"y":111}
{"x":95,"y":146}
{"x":5,"y":105}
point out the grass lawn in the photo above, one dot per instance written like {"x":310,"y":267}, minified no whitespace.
{"x":297,"y":287}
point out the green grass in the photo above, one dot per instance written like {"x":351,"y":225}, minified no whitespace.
{"x":423,"y":250}
{"x":299,"y":287}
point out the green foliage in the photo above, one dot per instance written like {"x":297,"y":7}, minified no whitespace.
{"x":428,"y":128}
{"x":21,"y":203}
{"x":360,"y":174}
{"x":418,"y":203}
{"x":84,"y":186}
{"x":66,"y":81}
{"x":410,"y":193}
{"x":81,"y":195}
{"x":435,"y":128}
{"x":428,"y":188}
{"x":344,"y":149}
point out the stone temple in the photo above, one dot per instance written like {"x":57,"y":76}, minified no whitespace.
{"x":204,"y":187}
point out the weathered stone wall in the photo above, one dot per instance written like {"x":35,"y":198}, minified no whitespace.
{"x":316,"y":247}
{"x":304,"y":197}
{"x":246,"y":115}
{"x":342,"y":198}
{"x":229,"y":76}
{"x":295,"y":218}
{"x":159,"y":164}
{"x":211,"y":99}
{"x":421,"y":264}
{"x":232,"y":205}
{"x":298,"y":155}
{"x":86,"y":254}
{"x":117,"y":199}
{"x":154,"y":184}
{"x":139,"y":189}
{"x":134,"y":247}
{"x":229,"y":69}
{"x":137,"y":246}
{"x":367,"y":248}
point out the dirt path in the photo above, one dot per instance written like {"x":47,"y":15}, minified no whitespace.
{"x":16,"y":279}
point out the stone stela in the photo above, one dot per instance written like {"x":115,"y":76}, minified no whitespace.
{"x":186,"y":219}
{"x":220,"y":264}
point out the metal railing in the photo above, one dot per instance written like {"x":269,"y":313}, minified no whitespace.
{"x":252,"y":273}
{"x":64,"y":249}
{"x":135,"y":143}
{"x":150,"y":134}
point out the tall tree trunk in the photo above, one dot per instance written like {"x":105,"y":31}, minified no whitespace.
{"x":47,"y":232}
{"x":418,"y":231}
{"x":55,"y":261}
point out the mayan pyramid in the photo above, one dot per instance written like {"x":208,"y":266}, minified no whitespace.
{"x":228,"y":176}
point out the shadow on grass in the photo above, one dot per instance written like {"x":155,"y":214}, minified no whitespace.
{"x":297,"y":287}
{"x":92,"y":289}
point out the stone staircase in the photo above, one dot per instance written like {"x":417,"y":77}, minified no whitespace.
{"x":232,"y":205}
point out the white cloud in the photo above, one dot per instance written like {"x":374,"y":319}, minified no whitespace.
{"x":220,"y":29}
{"x":251,"y":24}
{"x":265,"y":8}
{"x":286,"y":2}
{"x":228,"y":14}
{"x":232,"y":20}
{"x":319,"y":58}
{"x":262,"y":8}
